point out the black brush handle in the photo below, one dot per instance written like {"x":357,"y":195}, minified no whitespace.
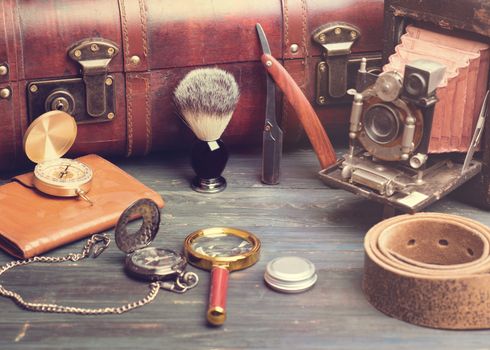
{"x":208,"y":159}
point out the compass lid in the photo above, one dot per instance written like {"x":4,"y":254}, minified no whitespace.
{"x":50,"y":136}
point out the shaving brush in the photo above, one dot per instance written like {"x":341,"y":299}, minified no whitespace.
{"x":206,"y":99}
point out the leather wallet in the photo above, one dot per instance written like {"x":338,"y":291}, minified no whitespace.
{"x":32,"y":222}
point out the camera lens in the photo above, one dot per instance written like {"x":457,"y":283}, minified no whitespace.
{"x":415,"y":84}
{"x":381,"y":123}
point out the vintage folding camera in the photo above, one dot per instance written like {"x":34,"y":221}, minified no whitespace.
{"x":415,"y":127}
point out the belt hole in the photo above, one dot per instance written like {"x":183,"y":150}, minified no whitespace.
{"x":470,"y":252}
{"x":443,"y":242}
{"x":411,"y":242}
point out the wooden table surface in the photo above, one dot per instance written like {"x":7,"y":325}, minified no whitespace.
{"x":300,"y":216}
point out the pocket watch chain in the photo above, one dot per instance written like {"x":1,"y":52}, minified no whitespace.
{"x":94,"y":246}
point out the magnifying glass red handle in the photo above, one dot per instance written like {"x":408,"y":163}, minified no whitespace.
{"x":217,"y":295}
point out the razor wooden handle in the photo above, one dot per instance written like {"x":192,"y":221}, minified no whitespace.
{"x":306,"y":114}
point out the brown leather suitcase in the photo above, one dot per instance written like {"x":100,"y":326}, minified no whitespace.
{"x":114,"y":65}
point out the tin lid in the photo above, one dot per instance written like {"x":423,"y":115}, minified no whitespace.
{"x":50,"y":136}
{"x":290,"y":274}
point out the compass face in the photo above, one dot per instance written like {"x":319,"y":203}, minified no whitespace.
{"x":155,"y":263}
{"x":154,"y":257}
{"x":63,"y":172}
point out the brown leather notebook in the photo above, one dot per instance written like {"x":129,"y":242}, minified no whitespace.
{"x":32,"y":223}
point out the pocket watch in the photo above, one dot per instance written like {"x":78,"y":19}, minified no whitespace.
{"x":46,"y":140}
{"x":150,"y":263}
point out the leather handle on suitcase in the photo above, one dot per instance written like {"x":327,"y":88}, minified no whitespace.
{"x":306,"y":114}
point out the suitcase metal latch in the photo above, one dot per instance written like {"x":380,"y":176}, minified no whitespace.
{"x":89,"y":99}
{"x":336,"y":72}
{"x":337,"y":39}
{"x":94,"y":56}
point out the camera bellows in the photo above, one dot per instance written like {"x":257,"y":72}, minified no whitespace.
{"x":462,"y":90}
{"x":206,"y":99}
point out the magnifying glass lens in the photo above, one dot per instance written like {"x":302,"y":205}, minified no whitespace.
{"x":221,"y":245}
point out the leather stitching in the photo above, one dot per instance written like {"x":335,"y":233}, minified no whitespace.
{"x":147,"y":115}
{"x":304,"y":13}
{"x":284,"y":119}
{"x":144,"y":33}
{"x":143,"y":20}
{"x":129,"y":118}
{"x":286,"y":24}
{"x":125,"y":29}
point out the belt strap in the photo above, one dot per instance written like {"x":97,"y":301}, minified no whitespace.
{"x":138,"y":111}
{"x":295,"y":28}
{"x":135,"y":34}
{"x":135,"y":48}
{"x":430,"y":269}
{"x":295,"y":53}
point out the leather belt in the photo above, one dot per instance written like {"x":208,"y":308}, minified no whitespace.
{"x":430,"y":269}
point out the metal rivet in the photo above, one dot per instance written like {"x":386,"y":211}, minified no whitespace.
{"x":322,"y":66}
{"x":294,"y":48}
{"x":3,"y":70}
{"x":108,"y":81}
{"x":111,"y":116}
{"x":111,"y":51}
{"x":323,"y":38}
{"x":338,"y":30}
{"x":78,"y":53}
{"x":268,"y":63}
{"x":322,"y":100}
{"x":33,"y":88}
{"x":5,"y":93}
{"x":94,"y":47}
{"x":135,"y":60}
{"x":353,"y":34}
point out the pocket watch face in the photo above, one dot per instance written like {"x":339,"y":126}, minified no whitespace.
{"x":63,"y":172}
{"x":155,"y":263}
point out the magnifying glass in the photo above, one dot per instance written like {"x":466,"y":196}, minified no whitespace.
{"x":221,"y":250}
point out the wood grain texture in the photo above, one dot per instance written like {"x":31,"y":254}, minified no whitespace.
{"x":304,"y":110}
{"x":298,"y":217}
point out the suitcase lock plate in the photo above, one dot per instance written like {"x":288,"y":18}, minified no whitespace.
{"x":89,"y":99}
{"x":337,"y":70}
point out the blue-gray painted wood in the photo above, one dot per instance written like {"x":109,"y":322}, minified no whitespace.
{"x":299,"y":216}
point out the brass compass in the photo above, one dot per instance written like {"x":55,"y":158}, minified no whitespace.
{"x":46,"y":140}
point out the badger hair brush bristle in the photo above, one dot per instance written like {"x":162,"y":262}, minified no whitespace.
{"x":206,"y":98}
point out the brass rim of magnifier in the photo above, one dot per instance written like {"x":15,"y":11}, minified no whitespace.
{"x":231,"y":263}
{"x":50,"y":136}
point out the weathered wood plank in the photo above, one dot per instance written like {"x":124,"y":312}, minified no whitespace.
{"x":300,"y":216}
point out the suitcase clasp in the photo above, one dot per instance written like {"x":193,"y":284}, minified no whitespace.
{"x":337,"y":70}
{"x":94,"y":55}
{"x":90,"y":98}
